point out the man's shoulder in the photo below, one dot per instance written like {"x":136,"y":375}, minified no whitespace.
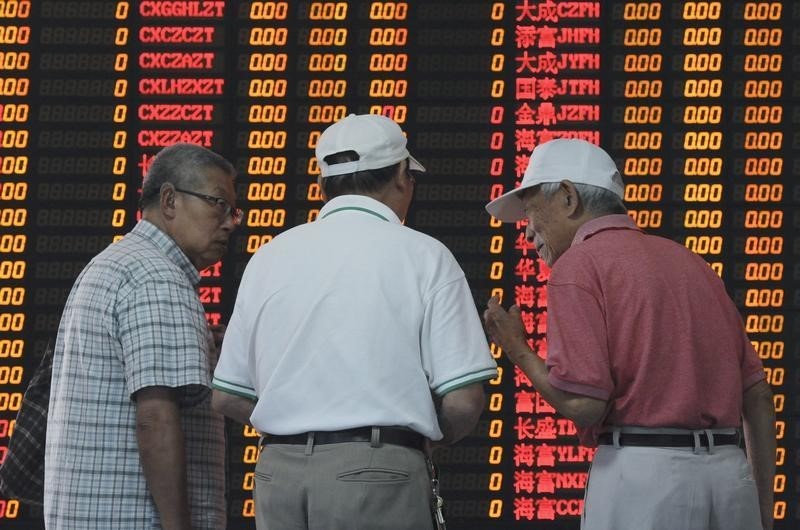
{"x":422,"y":238}
{"x":296,"y":237}
{"x":136,"y":260}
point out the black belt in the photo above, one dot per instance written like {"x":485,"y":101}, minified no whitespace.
{"x":667,"y":440}
{"x":388,"y":435}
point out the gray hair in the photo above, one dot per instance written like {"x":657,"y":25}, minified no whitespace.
{"x":596,"y":200}
{"x":358,"y":183}
{"x":179,"y":165}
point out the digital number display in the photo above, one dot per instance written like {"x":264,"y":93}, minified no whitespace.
{"x":696,"y":100}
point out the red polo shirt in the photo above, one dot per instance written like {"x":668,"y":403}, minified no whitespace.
{"x":644,"y":323}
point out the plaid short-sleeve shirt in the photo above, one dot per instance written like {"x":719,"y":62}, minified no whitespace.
{"x":132,"y":320}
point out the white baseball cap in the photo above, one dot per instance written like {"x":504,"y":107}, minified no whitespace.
{"x":378,"y":140}
{"x":561,"y":159}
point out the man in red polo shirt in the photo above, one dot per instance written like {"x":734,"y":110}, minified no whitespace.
{"x":646,"y":354}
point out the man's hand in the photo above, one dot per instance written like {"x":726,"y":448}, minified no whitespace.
{"x":507,"y":330}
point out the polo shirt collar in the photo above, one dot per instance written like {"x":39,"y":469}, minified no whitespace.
{"x":150,"y":232}
{"x":603,"y":223}
{"x":358,"y":204}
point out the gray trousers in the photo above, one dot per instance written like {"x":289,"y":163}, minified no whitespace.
{"x":343,"y":486}
{"x":653,"y":488}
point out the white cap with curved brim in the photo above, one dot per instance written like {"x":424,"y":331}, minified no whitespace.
{"x":562,"y":159}
{"x":378,"y":141}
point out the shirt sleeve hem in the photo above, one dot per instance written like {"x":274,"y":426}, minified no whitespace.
{"x":577,"y":388}
{"x":753,"y":379}
{"x":464,"y":380}
{"x":232,"y":388}
{"x":176,"y":384}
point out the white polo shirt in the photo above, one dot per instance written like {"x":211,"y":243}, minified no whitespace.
{"x":351,"y":321}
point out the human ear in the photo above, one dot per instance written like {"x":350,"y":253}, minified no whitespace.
{"x":167,"y":200}
{"x":571,"y":199}
{"x":403,"y":180}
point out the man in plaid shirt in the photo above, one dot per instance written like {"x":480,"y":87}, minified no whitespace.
{"x":132,"y":442}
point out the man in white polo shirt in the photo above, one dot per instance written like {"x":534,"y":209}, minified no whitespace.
{"x":353,"y":344}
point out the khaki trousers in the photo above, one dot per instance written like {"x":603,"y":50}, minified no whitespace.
{"x":343,"y":486}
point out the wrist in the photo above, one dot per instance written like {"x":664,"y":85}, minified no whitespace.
{"x":519,"y":350}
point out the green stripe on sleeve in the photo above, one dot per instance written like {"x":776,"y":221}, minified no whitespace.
{"x":464,"y":380}
{"x":233,"y":388}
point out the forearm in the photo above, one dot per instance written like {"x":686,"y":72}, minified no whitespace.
{"x":162,"y":454}
{"x":508,"y":332}
{"x":459,"y":413}
{"x":454,"y":426}
{"x":583,"y":411}
{"x":237,"y":407}
{"x":759,"y":431}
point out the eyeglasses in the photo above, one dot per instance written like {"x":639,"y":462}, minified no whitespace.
{"x":236,"y":214}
